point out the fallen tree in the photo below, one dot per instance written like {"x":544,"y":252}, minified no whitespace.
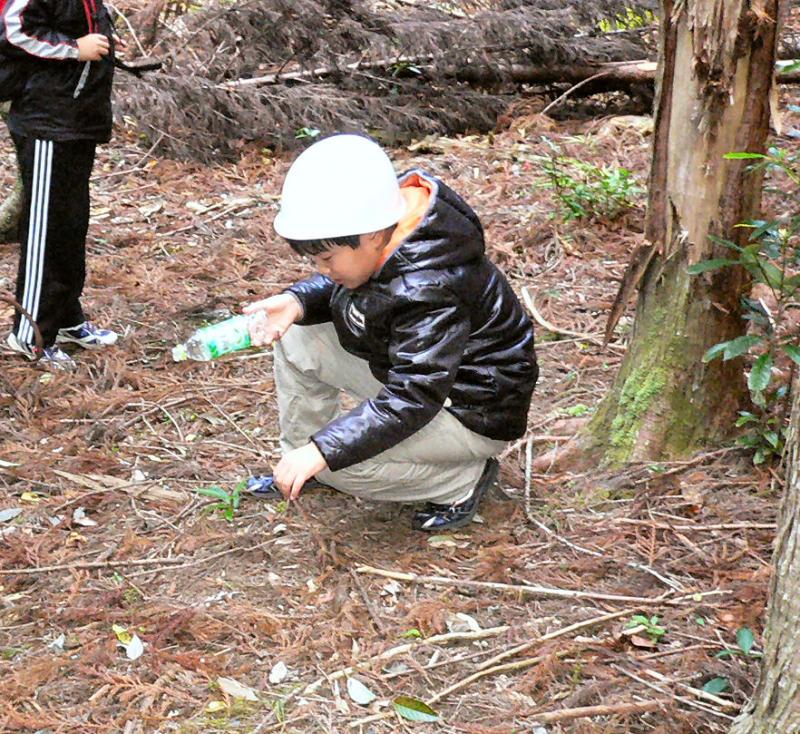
{"x":614,"y":75}
{"x":369,"y":69}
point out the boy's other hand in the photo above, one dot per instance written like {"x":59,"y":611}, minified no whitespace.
{"x":282,"y":311}
{"x":296,"y":468}
{"x":93,"y":47}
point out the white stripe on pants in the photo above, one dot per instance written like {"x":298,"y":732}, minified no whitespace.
{"x":37,"y":237}
{"x":439,"y":463}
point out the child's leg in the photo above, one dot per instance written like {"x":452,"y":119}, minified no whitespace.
{"x":440,"y":463}
{"x":53,"y":230}
{"x":311,"y":369}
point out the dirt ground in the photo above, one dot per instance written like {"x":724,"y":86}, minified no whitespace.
{"x":512,"y":625}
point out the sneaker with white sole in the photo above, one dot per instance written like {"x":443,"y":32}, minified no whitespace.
{"x":87,"y":335}
{"x":435,"y":517}
{"x":263,"y":486}
{"x":49,"y":357}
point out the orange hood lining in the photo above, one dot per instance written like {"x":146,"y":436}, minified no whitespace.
{"x":416,"y":193}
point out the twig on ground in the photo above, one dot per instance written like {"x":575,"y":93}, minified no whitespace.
{"x":696,"y":692}
{"x":235,"y":425}
{"x":90,"y":565}
{"x":724,"y":526}
{"x":367,"y":603}
{"x":213,"y":556}
{"x":517,"y":665}
{"x":683,"y":699}
{"x":100,"y":484}
{"x":524,"y":589}
{"x":402,"y":650}
{"x":439,"y":664}
{"x":594,"y":339}
{"x":679,"y":466}
{"x":675,"y":585}
{"x":133,"y":562}
{"x":553,"y":635}
{"x":678,"y":651}
{"x":585,"y":712}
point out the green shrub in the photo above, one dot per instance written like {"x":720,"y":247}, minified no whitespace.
{"x":587,"y":191}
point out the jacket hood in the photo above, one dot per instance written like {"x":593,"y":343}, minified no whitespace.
{"x":449,"y":235}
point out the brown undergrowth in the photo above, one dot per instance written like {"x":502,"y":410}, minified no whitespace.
{"x":479,"y":631}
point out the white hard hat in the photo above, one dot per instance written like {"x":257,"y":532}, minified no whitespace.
{"x":343,"y":185}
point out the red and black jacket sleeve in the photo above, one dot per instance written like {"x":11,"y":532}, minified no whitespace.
{"x":28,"y":29}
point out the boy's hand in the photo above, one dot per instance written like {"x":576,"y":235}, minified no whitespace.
{"x":296,"y":468}
{"x":93,"y":47}
{"x":282,"y":311}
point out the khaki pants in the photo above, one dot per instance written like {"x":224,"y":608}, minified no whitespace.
{"x":440,"y":463}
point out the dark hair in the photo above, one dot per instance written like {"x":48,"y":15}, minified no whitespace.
{"x":315,"y":247}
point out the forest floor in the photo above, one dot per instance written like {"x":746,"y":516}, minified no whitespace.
{"x":513,"y":624}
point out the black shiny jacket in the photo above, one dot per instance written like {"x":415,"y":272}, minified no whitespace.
{"x":61,"y":98}
{"x":440,"y":327}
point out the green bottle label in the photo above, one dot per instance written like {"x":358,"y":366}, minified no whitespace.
{"x":227,"y":336}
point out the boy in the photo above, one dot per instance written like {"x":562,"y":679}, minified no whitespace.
{"x":61,"y":112}
{"x":408,"y":316}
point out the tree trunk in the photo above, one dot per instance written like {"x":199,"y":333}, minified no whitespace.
{"x":776,"y":703}
{"x":11,"y":207}
{"x":714,"y":78}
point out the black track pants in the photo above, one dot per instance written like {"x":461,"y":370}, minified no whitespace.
{"x":52,"y":234}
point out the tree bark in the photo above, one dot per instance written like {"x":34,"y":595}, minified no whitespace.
{"x":715,"y":73}
{"x":11,"y":208}
{"x":776,"y":703}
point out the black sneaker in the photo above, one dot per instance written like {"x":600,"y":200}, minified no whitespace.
{"x":263,"y":487}
{"x":446,"y":517}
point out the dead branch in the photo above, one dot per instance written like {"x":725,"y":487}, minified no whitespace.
{"x":402,"y":650}
{"x":173,"y":563}
{"x":497,"y":659}
{"x":674,"y":585}
{"x":87,"y":565}
{"x":705,"y":528}
{"x":584,"y":712}
{"x":523,"y":589}
{"x":463,"y":683}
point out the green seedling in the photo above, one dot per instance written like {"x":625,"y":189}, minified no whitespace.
{"x":586,"y":191}
{"x":227,"y":502}
{"x":651,"y":626}
{"x":745,"y":641}
{"x":279,"y":708}
{"x":307,"y":133}
{"x":412,"y":634}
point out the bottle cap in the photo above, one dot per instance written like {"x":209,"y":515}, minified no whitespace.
{"x":179,"y":353}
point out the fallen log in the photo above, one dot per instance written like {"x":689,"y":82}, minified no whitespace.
{"x":616,"y":74}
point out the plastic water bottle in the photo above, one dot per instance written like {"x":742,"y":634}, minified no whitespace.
{"x":215,"y":340}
